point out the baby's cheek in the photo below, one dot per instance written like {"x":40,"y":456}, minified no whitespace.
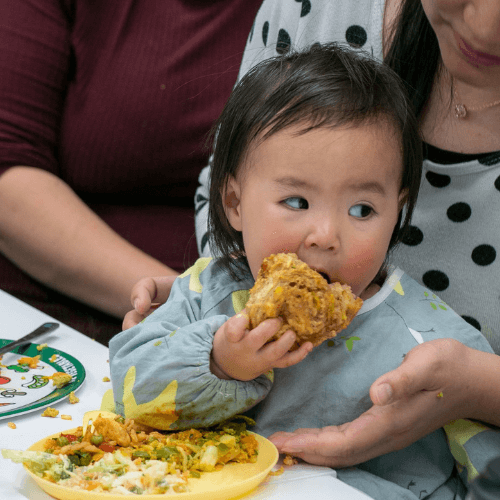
{"x":279,"y":238}
{"x":363,"y":263}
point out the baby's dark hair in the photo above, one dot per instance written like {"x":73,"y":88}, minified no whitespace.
{"x":327,"y":85}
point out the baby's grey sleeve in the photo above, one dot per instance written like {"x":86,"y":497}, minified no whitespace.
{"x":160,"y":369}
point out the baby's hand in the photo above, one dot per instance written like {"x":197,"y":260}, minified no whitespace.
{"x":242,"y":354}
{"x":147,"y":295}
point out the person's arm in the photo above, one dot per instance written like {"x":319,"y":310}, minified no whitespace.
{"x":161,"y":368}
{"x":47,"y":231}
{"x":45,"y":228}
{"x":407,"y":406}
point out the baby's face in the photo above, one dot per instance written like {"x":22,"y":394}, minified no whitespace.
{"x":332,"y":196}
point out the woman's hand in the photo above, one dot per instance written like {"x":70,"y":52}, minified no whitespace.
{"x":438,"y":381}
{"x":242,"y":354}
{"x":147,"y":294}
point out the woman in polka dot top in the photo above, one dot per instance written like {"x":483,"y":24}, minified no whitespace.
{"x":448,"y":53}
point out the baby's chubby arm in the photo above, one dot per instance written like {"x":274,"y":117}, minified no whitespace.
{"x":160,"y":368}
{"x":242,"y":354}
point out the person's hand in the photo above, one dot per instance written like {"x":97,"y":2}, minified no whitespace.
{"x":432,"y":386}
{"x":242,"y":354}
{"x":147,"y":294}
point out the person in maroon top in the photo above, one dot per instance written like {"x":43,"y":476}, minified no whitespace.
{"x":104,"y":109}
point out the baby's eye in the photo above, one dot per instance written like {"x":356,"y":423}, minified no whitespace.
{"x":297,"y":202}
{"x":361,"y":211}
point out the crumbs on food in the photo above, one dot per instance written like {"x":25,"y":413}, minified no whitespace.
{"x":106,"y":379}
{"x":50,"y":412}
{"x":12,"y":425}
{"x":41,"y":346}
{"x":66,"y":417}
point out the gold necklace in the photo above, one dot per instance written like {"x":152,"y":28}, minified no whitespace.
{"x":461,"y":110}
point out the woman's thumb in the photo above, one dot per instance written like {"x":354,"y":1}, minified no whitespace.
{"x":404,"y":381}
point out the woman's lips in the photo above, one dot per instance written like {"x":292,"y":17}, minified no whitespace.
{"x":475,"y":56}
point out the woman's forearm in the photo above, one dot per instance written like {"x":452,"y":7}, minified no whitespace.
{"x":47,"y":231}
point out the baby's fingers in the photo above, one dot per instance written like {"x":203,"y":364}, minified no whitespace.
{"x":143,"y":294}
{"x":131,"y":319}
{"x":294,"y":357}
{"x":235,"y":328}
{"x":278,"y":349}
{"x":263,"y":333}
{"x":149,"y":290}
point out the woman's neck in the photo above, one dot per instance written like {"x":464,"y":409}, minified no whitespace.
{"x":478,"y":132}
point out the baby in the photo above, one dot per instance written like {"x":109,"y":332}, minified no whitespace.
{"x":317,"y":154}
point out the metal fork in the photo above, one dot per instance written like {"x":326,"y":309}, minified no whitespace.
{"x":92,"y":415}
{"x":41,"y":330}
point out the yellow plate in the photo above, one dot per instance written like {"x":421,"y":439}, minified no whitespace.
{"x":232,"y":481}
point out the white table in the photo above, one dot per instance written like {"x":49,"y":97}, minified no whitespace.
{"x":17,"y":319}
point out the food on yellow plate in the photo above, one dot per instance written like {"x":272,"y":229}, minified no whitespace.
{"x":151,"y":463}
{"x":288,"y":288}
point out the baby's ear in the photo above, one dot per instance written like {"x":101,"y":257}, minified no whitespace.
{"x":231,"y":200}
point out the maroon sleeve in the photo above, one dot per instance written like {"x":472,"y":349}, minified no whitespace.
{"x":34,"y":63}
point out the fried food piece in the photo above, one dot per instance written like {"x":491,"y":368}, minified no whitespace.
{"x":60,"y":379}
{"x":31,"y":362}
{"x":50,"y":412}
{"x":72,"y":398}
{"x":289,"y":460}
{"x":111,"y":430}
{"x":288,"y":288}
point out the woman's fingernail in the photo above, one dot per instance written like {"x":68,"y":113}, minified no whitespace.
{"x":384,"y":394}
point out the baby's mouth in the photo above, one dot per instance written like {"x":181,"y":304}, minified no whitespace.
{"x":327,"y":278}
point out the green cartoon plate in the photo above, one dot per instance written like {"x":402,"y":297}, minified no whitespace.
{"x":24,"y":389}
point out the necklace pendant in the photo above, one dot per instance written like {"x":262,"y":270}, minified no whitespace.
{"x":460,"y":111}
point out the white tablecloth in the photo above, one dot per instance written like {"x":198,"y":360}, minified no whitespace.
{"x":17,"y":319}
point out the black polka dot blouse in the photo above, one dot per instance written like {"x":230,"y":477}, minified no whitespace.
{"x":455,"y":235}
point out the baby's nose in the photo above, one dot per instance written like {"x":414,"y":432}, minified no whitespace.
{"x":324,"y":235}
